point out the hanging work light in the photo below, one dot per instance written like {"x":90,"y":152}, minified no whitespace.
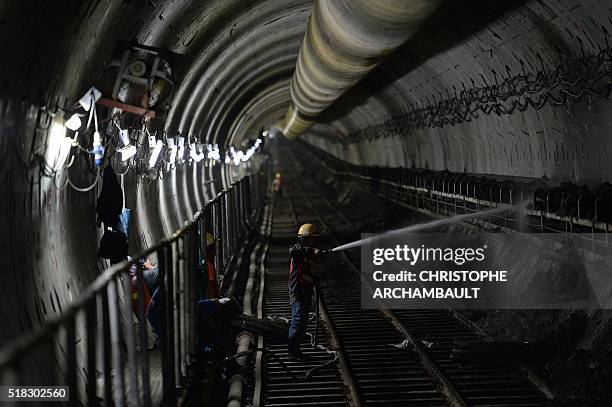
{"x":90,"y":98}
{"x":193,"y":153}
{"x":181,"y":149}
{"x":238,"y":157}
{"x":128,"y":150}
{"x":74,"y":123}
{"x":157,"y":147}
{"x":213,"y":152}
{"x":173,"y":151}
{"x":248,"y":154}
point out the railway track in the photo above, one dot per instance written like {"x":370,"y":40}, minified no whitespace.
{"x":399,"y":358}
{"x":285,"y":382}
{"x":476,"y":385}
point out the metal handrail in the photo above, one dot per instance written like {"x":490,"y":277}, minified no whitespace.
{"x":178,"y":291}
{"x":604,"y":226}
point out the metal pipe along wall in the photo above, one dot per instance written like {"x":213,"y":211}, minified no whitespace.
{"x":344,"y":41}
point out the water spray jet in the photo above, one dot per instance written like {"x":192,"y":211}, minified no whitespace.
{"x":423,"y":226}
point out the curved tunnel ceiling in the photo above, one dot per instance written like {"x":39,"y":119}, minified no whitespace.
{"x":233,"y":78}
{"x":235,"y":54}
{"x":231,"y":52}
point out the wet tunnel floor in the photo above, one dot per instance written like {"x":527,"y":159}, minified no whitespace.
{"x":383,"y":374}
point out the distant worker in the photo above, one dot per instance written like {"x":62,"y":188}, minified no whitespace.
{"x":211,"y":251}
{"x":152,"y":307}
{"x":302,"y":274}
{"x":278,"y":183}
{"x":150,"y":272}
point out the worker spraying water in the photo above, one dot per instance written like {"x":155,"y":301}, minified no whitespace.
{"x":302,"y":280}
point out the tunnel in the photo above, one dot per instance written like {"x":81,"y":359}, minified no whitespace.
{"x":251,"y":202}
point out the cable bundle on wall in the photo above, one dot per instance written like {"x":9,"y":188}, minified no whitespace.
{"x":571,"y":80}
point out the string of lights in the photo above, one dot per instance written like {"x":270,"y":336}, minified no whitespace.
{"x":148,"y":155}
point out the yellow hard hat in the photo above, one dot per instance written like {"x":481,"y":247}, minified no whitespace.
{"x":307,"y":229}
{"x":210,"y":239}
{"x":278,"y":175}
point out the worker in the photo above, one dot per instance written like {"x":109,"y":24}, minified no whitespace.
{"x":278,"y":182}
{"x":211,"y":251}
{"x":152,"y":308}
{"x":302,"y":274}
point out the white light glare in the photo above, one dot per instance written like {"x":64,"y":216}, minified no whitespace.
{"x":227,"y":159}
{"x":155,"y":153}
{"x":90,"y":98}
{"x":58,"y":145}
{"x":249,"y":154}
{"x":181,"y":149}
{"x":74,"y":123}
{"x":64,"y":153}
{"x":213,"y":152}
{"x":128,"y":150}
{"x":173,"y":152}
{"x":238,"y":157}
{"x":124,"y":136}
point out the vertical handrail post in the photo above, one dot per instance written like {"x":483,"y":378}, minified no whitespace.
{"x":134,"y":392}
{"x":91,"y":329}
{"x":106,"y":346}
{"x":71,"y":366}
{"x":143,"y":338}
{"x":175,"y":293}
{"x":116,"y":345}
{"x":167,"y":334}
{"x":180,"y":307}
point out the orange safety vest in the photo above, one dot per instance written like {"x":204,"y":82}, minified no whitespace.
{"x":213,"y":287}
{"x":134,"y":295}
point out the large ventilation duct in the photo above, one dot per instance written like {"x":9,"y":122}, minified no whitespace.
{"x":344,"y":41}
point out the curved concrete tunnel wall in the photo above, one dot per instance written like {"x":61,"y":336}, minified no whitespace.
{"x":49,"y":236}
{"x":559,"y":142}
{"x":233,"y":59}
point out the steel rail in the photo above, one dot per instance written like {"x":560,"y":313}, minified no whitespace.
{"x":428,"y":364}
{"x":345,"y":371}
{"x":346,"y":374}
{"x":452,"y":393}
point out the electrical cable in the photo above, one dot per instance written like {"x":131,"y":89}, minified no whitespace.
{"x":571,"y":80}
{"x":84,"y":189}
{"x":126,"y":170}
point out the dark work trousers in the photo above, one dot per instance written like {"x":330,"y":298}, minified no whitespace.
{"x":299,"y":320}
